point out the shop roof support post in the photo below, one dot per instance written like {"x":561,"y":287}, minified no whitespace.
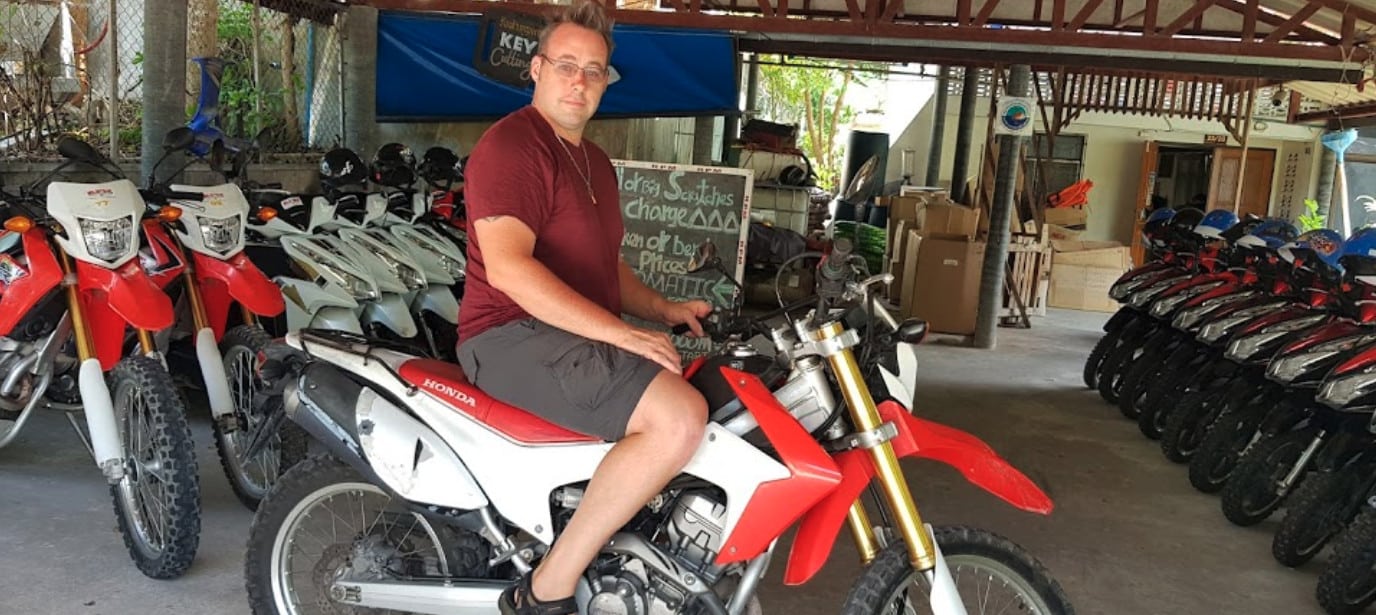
{"x":164,"y":78}
{"x":996,"y":252}
{"x":969,"y":91}
{"x":938,"y":128}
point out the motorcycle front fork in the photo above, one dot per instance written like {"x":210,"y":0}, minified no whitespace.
{"x":922,"y":550}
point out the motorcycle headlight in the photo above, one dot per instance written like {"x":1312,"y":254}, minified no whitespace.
{"x":1188,"y":318}
{"x":360,"y":288}
{"x":455,"y":267}
{"x":220,"y":235}
{"x":1166,"y":305}
{"x":1215,"y":330}
{"x":1142,"y":297}
{"x":108,"y":240}
{"x":1244,"y":348}
{"x":1122,"y":289}
{"x":1286,"y":369}
{"x":1340,"y":391}
{"x":408,"y":276}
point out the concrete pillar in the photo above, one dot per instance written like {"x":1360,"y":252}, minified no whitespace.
{"x":703,"y":139}
{"x":360,"y":79}
{"x":938,"y":129}
{"x":164,"y":78}
{"x":996,"y":253}
{"x":964,"y":133}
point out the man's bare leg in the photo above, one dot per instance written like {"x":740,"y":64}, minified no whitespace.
{"x":664,"y":431}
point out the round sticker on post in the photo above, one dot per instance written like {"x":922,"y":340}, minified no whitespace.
{"x":1015,"y":116}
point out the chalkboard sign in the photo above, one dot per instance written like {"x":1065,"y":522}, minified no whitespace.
{"x":507,"y":42}
{"x":669,"y":210}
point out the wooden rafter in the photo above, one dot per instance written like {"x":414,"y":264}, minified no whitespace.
{"x":1291,"y":24}
{"x":1059,"y":25}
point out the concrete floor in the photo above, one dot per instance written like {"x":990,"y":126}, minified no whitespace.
{"x":1128,"y":537}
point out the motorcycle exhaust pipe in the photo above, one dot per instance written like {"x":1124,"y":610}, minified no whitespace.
{"x":321,"y":400}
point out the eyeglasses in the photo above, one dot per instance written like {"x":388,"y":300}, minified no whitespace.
{"x":569,"y":70}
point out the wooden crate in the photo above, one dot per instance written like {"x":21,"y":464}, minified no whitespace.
{"x":1029,"y":273}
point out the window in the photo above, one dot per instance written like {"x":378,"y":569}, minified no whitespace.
{"x":1063,"y":165}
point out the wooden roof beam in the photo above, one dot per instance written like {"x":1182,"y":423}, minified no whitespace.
{"x":1275,"y":19}
{"x":1291,"y":24}
{"x":1185,"y":18}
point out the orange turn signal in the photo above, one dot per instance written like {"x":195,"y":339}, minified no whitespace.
{"x":19,"y":224}
{"x":266,"y":213}
{"x":170,"y":213}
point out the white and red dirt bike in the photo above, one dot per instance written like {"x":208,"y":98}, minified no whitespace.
{"x":70,"y":275}
{"x":435,"y":497}
{"x":198,"y":259}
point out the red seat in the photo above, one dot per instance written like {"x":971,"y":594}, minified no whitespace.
{"x":447,"y":383}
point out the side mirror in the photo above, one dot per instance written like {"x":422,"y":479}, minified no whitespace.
{"x":180,"y":137}
{"x":73,"y":148}
{"x":217,"y":156}
{"x":705,"y":258}
{"x":240,"y":163}
{"x":912,"y":331}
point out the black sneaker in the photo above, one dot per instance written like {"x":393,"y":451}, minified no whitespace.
{"x":518,"y":600}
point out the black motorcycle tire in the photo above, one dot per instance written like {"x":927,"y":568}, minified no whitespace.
{"x":1151,"y":417}
{"x":1224,"y":444}
{"x":1118,"y":361}
{"x":1140,"y":375}
{"x":1250,"y":495}
{"x":292,"y":441}
{"x":1097,"y":356}
{"x":1313,"y":516}
{"x":1348,"y":585}
{"x":891,"y":575}
{"x":172,"y":449}
{"x":1190,"y":420}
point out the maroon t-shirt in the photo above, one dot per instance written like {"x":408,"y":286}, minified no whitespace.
{"x":519,"y":169}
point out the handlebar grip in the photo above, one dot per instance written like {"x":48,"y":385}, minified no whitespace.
{"x":187,"y":196}
{"x":680,"y":330}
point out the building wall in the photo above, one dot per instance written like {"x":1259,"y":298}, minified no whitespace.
{"x":1113,"y":156}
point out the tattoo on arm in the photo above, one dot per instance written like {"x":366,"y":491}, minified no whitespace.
{"x":493,"y":218}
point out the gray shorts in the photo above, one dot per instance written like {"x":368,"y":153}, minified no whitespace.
{"x":576,"y":383}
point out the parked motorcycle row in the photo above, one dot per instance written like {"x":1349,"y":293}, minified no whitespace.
{"x":1249,"y":351}
{"x":112,"y":294}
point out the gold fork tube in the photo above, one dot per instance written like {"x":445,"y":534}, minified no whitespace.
{"x":921,"y":551}
{"x":193,"y":296}
{"x":862,"y":532}
{"x":80,"y":334}
{"x":249,"y":318}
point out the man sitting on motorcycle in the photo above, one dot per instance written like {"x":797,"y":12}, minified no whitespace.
{"x":540,"y":323}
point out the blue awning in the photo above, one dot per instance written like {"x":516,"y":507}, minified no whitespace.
{"x":425,"y":72}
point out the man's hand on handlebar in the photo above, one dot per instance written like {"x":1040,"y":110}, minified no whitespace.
{"x":684,"y":316}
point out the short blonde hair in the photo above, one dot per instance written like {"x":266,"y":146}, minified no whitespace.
{"x":584,"y":13}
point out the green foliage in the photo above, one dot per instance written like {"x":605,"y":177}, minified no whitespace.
{"x":1311,"y":220}
{"x":245,"y":107}
{"x":815,"y":99}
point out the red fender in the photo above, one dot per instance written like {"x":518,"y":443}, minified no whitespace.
{"x":916,"y":437}
{"x":39,"y":278}
{"x":234,"y":279}
{"x":168,"y":263}
{"x":775,"y":505}
{"x":111,"y":298}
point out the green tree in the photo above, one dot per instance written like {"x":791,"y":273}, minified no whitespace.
{"x":813,"y":97}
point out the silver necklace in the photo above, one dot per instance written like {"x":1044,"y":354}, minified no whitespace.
{"x":587,"y":179}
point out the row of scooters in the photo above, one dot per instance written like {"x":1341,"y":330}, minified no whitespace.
{"x":1249,"y":351}
{"x":111,"y":293}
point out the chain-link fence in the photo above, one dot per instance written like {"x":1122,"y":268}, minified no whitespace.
{"x":277,"y":69}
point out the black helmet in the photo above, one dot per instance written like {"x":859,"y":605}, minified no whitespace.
{"x":394,"y":165}
{"x":341,"y":167}
{"x":1242,"y":228}
{"x":440,"y":165}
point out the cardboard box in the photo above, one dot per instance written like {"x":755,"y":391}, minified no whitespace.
{"x":1082,"y":287}
{"x":912,"y":247}
{"x":945,"y":219}
{"x":910,"y":208}
{"x":1067,"y":216}
{"x":1092,"y":254}
{"x":945,"y":289}
{"x":1061,"y":233}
